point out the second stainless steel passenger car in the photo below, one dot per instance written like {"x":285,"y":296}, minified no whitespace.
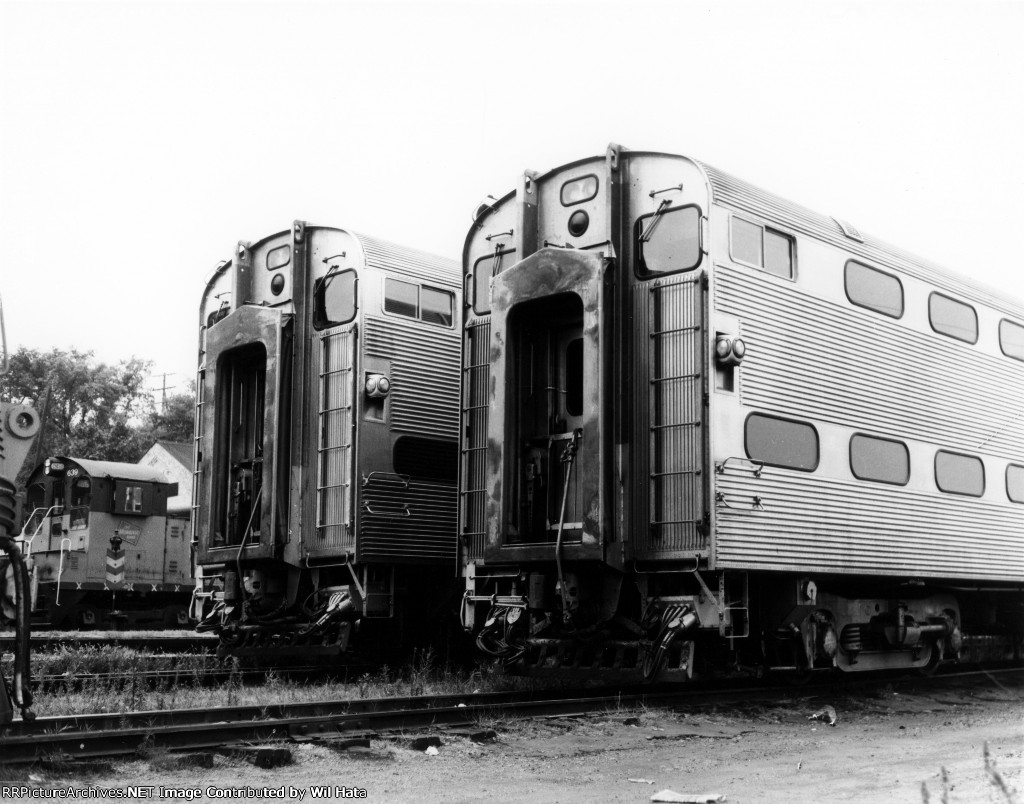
{"x":326,"y":441}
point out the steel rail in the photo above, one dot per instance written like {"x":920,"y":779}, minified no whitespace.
{"x":87,"y":736}
{"x":191,"y":677}
{"x":174,"y":644}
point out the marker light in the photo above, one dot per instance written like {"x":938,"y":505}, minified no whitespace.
{"x":377,"y":386}
{"x":729,"y":349}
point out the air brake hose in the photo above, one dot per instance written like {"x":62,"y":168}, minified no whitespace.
{"x":569,"y":457}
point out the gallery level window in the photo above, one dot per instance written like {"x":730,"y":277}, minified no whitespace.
{"x":876,"y":290}
{"x":1011,"y":339}
{"x":953,"y":318}
{"x":1015,"y":482}
{"x":763,"y":247}
{"x":433,"y":305}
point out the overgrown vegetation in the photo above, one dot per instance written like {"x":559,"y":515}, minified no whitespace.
{"x":423,"y":675}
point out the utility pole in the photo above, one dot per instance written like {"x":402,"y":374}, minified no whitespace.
{"x":164,"y":388}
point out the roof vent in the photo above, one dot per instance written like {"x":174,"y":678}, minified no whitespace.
{"x":848,"y":230}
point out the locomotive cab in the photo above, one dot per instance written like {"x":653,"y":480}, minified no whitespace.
{"x":104,"y":549}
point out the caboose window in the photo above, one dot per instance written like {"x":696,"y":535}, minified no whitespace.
{"x":1011,"y":339}
{"x":953,"y":318}
{"x":959,"y":474}
{"x":334,"y":299}
{"x":868,"y":287}
{"x":882,"y":460}
{"x":1015,"y":482}
{"x":668,"y":241}
{"x":781,"y":442}
{"x":762,"y":247}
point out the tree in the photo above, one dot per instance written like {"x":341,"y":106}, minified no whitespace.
{"x":89,"y":409}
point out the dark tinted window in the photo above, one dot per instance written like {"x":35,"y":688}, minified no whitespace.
{"x":874,"y":289}
{"x":781,"y":442}
{"x":670,"y":241}
{"x":1011,"y":339}
{"x":1015,"y":482}
{"x":334,"y":300}
{"x":879,"y":459}
{"x":427,"y":459}
{"x":401,"y":298}
{"x":81,"y":491}
{"x":953,"y":318}
{"x":959,"y":474}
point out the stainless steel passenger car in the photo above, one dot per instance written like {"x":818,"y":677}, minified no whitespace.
{"x":708,"y":428}
{"x":326,"y":440}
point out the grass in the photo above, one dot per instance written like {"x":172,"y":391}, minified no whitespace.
{"x":423,"y":675}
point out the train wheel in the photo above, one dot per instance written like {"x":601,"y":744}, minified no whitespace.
{"x":931,"y":665}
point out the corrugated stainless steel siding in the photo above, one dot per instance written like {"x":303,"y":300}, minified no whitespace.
{"x":475,"y":409}
{"x":735,"y":193}
{"x":407,"y":520}
{"x":334,"y":444}
{"x":668,"y":436}
{"x":827,"y":525}
{"x":390,"y":258}
{"x":830,"y":362}
{"x":424,"y":374}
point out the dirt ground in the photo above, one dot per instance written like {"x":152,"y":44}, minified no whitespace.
{"x":883,"y":747}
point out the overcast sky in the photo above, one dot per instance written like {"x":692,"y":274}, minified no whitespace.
{"x":140,"y":141}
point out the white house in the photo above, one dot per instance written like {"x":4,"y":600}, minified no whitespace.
{"x":175,"y":461}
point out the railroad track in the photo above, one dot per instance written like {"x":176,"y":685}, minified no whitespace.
{"x":189,"y":677}
{"x":157,"y":642}
{"x":86,"y":736}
